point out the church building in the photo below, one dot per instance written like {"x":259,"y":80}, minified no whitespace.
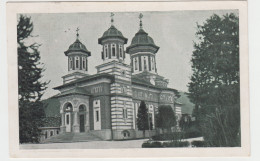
{"x":106,"y":104}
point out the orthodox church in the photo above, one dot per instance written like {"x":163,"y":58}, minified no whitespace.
{"x":106,"y":104}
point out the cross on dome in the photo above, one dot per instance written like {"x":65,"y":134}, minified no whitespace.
{"x":141,"y":23}
{"x":112,"y":18}
{"x":77,"y":30}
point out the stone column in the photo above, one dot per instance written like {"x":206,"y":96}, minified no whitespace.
{"x":87,"y":122}
{"x":76,"y":124}
{"x":62,"y":127}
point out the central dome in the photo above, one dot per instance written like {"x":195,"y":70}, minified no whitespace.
{"x":77,"y":46}
{"x":141,"y":38}
{"x":112,"y":32}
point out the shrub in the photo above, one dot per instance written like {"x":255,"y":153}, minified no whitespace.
{"x":176,"y":144}
{"x":199,"y":143}
{"x":152,"y":145}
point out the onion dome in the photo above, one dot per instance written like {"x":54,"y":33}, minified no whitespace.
{"x":141,"y":39}
{"x":112,"y":32}
{"x":77,"y":46}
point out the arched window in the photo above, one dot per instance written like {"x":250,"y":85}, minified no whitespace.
{"x":77,"y":62}
{"x":83,"y":62}
{"x":135,"y":64}
{"x":70,"y":63}
{"x":113,"y":49}
{"x":121,"y":51}
{"x":68,"y":107}
{"x":82,"y":108}
{"x":145,"y":63}
{"x":106,"y":51}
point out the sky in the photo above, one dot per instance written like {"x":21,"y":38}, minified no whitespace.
{"x":173,"y":31}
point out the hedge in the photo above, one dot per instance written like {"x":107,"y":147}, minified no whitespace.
{"x":165,"y":144}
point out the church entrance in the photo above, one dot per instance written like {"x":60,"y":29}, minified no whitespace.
{"x":81,"y":123}
{"x":68,"y":120}
{"x":82,"y":118}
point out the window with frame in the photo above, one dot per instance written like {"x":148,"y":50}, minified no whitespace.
{"x":135,"y":63}
{"x":152,"y":63}
{"x":106,"y":51}
{"x":113,"y":48}
{"x":145,"y":63}
{"x":97,"y":116}
{"x":121,"y":51}
{"x":77,"y":62}
{"x":83,"y":62}
{"x":70,"y":63}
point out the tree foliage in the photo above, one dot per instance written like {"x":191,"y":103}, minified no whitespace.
{"x":142,"y":117}
{"x":30,"y":88}
{"x":165,"y":119}
{"x":214,"y":86}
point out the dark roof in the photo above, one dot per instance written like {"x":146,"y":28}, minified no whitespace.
{"x":77,"y":46}
{"x":51,"y":107}
{"x":141,"y":38}
{"x":186,"y":104}
{"x":87,"y":78}
{"x":144,"y":82}
{"x":76,"y":90}
{"x":112,"y":32}
{"x":51,"y":122}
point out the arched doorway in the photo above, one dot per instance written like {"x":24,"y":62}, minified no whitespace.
{"x":82,"y":118}
{"x":68,"y":120}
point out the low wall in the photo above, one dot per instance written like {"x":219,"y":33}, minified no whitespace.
{"x":104,"y":134}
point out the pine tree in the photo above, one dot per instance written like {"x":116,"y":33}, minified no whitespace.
{"x":142,"y":118}
{"x":165,"y":119}
{"x":215,"y":83}
{"x":30,"y":88}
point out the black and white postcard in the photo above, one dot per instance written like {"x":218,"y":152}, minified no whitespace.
{"x":128,"y":79}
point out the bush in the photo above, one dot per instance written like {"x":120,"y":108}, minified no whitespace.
{"x":165,"y":144}
{"x":152,"y":145}
{"x":199,"y":143}
{"x":176,"y":144}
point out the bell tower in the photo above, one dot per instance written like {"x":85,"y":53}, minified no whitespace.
{"x":77,"y":60}
{"x":112,"y":42}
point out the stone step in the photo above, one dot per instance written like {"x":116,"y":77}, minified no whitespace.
{"x":72,"y":137}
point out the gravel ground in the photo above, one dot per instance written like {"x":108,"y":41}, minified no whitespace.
{"x":87,"y":145}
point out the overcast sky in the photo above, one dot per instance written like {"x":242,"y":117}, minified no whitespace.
{"x":174,"y":32}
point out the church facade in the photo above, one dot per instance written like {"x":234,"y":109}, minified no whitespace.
{"x":106,"y":104}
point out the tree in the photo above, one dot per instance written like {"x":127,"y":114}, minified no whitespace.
{"x":215,"y":83}
{"x":165,"y":119}
{"x":185,"y":122}
{"x":142,"y":118}
{"x":30,"y":88}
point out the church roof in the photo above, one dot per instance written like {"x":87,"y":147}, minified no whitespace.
{"x":141,"y":38}
{"x":87,"y":78}
{"x":144,"y":82}
{"x":51,"y":122}
{"x":112,"y":32}
{"x":76,"y":90}
{"x":77,"y":46}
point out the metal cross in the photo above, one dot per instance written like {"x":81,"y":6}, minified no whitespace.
{"x":141,"y":23}
{"x":112,"y":17}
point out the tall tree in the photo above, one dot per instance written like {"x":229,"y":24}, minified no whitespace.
{"x":142,"y":118}
{"x":214,"y":86}
{"x":165,"y":119}
{"x":30,"y":88}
